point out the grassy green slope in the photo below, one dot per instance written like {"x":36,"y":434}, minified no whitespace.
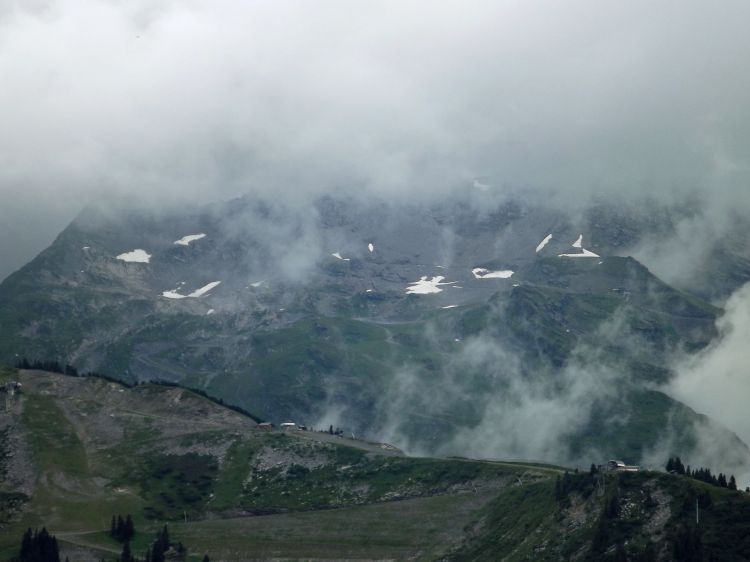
{"x":90,"y":448}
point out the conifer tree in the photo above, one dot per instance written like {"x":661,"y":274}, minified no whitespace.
{"x":126,"y":555}
{"x":128,"y":531}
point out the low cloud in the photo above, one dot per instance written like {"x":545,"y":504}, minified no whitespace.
{"x":198,"y":100}
{"x":716,"y":381}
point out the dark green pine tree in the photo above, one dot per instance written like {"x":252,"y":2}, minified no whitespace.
{"x":205,"y":558}
{"x":126,"y":555}
{"x":160,"y":546}
{"x":670,"y":465}
{"x":39,"y":547}
{"x":128,"y":531}
{"x":732,"y":483}
{"x":26,"y":546}
{"x":113,"y":527}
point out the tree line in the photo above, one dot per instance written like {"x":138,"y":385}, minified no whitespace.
{"x":40,"y":546}
{"x":157,"y":551}
{"x":122,"y":530}
{"x":676,"y":466}
{"x":54,"y":366}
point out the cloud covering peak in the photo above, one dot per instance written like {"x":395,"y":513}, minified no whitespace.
{"x":198,"y":99}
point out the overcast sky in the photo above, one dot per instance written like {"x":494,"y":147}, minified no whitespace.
{"x":205,"y":99}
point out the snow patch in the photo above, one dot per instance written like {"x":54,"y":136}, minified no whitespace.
{"x":185,"y":240}
{"x":85,"y":247}
{"x":543,"y":243}
{"x":427,"y":286}
{"x":210,"y":312}
{"x":203,"y":290}
{"x":449,"y":306}
{"x":338,"y":257}
{"x":136,"y":256}
{"x":371,"y":247}
{"x":481,"y":273}
{"x":257,"y":284}
{"x":173,"y":295}
{"x":194,"y":295}
{"x":584,"y":254}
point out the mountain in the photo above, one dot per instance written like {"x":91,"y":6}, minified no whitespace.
{"x":433,"y":326}
{"x":78,"y":450}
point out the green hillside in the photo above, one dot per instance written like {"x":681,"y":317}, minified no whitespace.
{"x":75,"y":451}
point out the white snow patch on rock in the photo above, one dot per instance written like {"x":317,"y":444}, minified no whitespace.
{"x":185,"y":240}
{"x":426,"y":286}
{"x":203,"y":290}
{"x":257,"y":284}
{"x":136,"y":256}
{"x":338,"y":256}
{"x":194,"y":295}
{"x":584,"y":254}
{"x":210,"y":312}
{"x":173,"y":295}
{"x":578,"y":243}
{"x":85,"y":247}
{"x":481,"y":273}
{"x":371,"y":247}
{"x":450,"y":306}
{"x":543,"y":243}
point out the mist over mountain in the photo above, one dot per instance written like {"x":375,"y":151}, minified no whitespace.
{"x":204,"y":101}
{"x":485,"y":325}
{"x":337,"y":280}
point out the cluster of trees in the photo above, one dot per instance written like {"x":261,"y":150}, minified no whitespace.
{"x":121,"y":529}
{"x":157,"y":552}
{"x":703,"y":474}
{"x":39,"y":546}
{"x":337,"y":431}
